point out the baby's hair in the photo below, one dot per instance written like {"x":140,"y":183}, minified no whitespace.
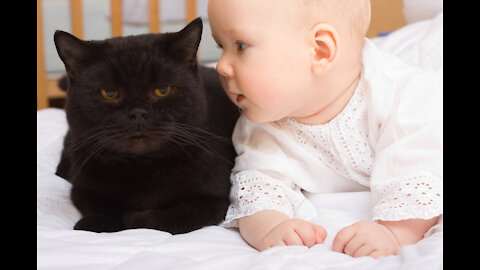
{"x":347,"y":16}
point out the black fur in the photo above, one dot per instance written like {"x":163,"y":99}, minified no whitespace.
{"x":139,"y":160}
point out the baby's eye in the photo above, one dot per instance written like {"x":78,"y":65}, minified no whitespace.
{"x":161,"y":92}
{"x":241,"y":46}
{"x":109,"y":94}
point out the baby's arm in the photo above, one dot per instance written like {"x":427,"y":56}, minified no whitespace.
{"x":269,"y":228}
{"x":381,"y":238}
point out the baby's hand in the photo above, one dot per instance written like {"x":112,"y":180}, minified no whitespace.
{"x":366,"y":238}
{"x":294,"y":232}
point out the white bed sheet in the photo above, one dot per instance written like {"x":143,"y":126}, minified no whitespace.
{"x":214,"y":247}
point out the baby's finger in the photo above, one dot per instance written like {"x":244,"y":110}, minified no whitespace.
{"x":306,"y":234}
{"x":320,"y":234}
{"x":272,"y":243}
{"x":364,"y":250}
{"x":292,"y":239}
{"x":376,"y":254}
{"x":356,"y":242}
{"x":342,"y":238}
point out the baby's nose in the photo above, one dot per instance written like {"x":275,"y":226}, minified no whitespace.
{"x":224,"y":68}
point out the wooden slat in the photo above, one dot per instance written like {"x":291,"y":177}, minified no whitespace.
{"x":52,"y":88}
{"x":77,"y":18}
{"x":154,"y":17}
{"x":387,"y":16}
{"x":42,"y":99}
{"x":116,"y":18}
{"x":191,"y":10}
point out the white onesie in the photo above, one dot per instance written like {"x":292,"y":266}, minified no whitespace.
{"x":388,"y":139}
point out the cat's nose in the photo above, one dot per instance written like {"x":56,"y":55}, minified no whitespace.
{"x":138,"y":114}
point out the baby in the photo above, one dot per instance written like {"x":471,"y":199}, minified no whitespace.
{"x":326,"y":111}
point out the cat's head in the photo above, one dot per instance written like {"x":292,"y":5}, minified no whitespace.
{"x":130,"y":90}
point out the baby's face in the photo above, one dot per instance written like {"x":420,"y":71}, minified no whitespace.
{"x":265,"y":64}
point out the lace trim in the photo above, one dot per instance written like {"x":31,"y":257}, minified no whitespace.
{"x":341,"y":144}
{"x":253,"y":191}
{"x":418,"y":196}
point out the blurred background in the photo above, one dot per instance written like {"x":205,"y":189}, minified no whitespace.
{"x":92,"y":19}
{"x":135,"y":20}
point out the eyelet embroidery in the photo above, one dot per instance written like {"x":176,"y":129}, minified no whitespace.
{"x":253,"y":191}
{"x":416,"y":196}
{"x":341,"y":144}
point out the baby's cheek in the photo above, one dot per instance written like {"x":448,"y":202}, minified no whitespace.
{"x":223,"y":82}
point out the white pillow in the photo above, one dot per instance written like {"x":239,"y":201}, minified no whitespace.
{"x":418,"y":10}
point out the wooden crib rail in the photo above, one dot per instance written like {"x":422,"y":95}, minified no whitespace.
{"x":47,"y":88}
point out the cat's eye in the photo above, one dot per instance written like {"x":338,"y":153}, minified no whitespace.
{"x":161,"y":92}
{"x":109,"y":94}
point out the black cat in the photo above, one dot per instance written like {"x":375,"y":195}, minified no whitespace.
{"x":148,"y":144}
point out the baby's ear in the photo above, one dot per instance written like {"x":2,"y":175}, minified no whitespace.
{"x":324,"y":46}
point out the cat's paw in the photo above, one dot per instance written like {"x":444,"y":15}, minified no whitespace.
{"x":139,"y":219}
{"x":98,"y":223}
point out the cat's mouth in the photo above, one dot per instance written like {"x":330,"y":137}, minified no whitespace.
{"x":138,"y":137}
{"x":137,"y":142}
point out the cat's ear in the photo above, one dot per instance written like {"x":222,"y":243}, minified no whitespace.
{"x":72,"y":51}
{"x":184,"y":44}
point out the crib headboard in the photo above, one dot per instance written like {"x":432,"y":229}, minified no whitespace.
{"x":386,"y":16}
{"x":46,"y":87}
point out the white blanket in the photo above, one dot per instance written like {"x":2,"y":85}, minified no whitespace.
{"x":214,"y":247}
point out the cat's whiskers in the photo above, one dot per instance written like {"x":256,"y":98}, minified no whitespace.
{"x":186,"y":135}
{"x":98,"y":142}
{"x":92,"y":136}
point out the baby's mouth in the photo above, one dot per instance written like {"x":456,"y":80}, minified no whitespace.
{"x":240,"y":98}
